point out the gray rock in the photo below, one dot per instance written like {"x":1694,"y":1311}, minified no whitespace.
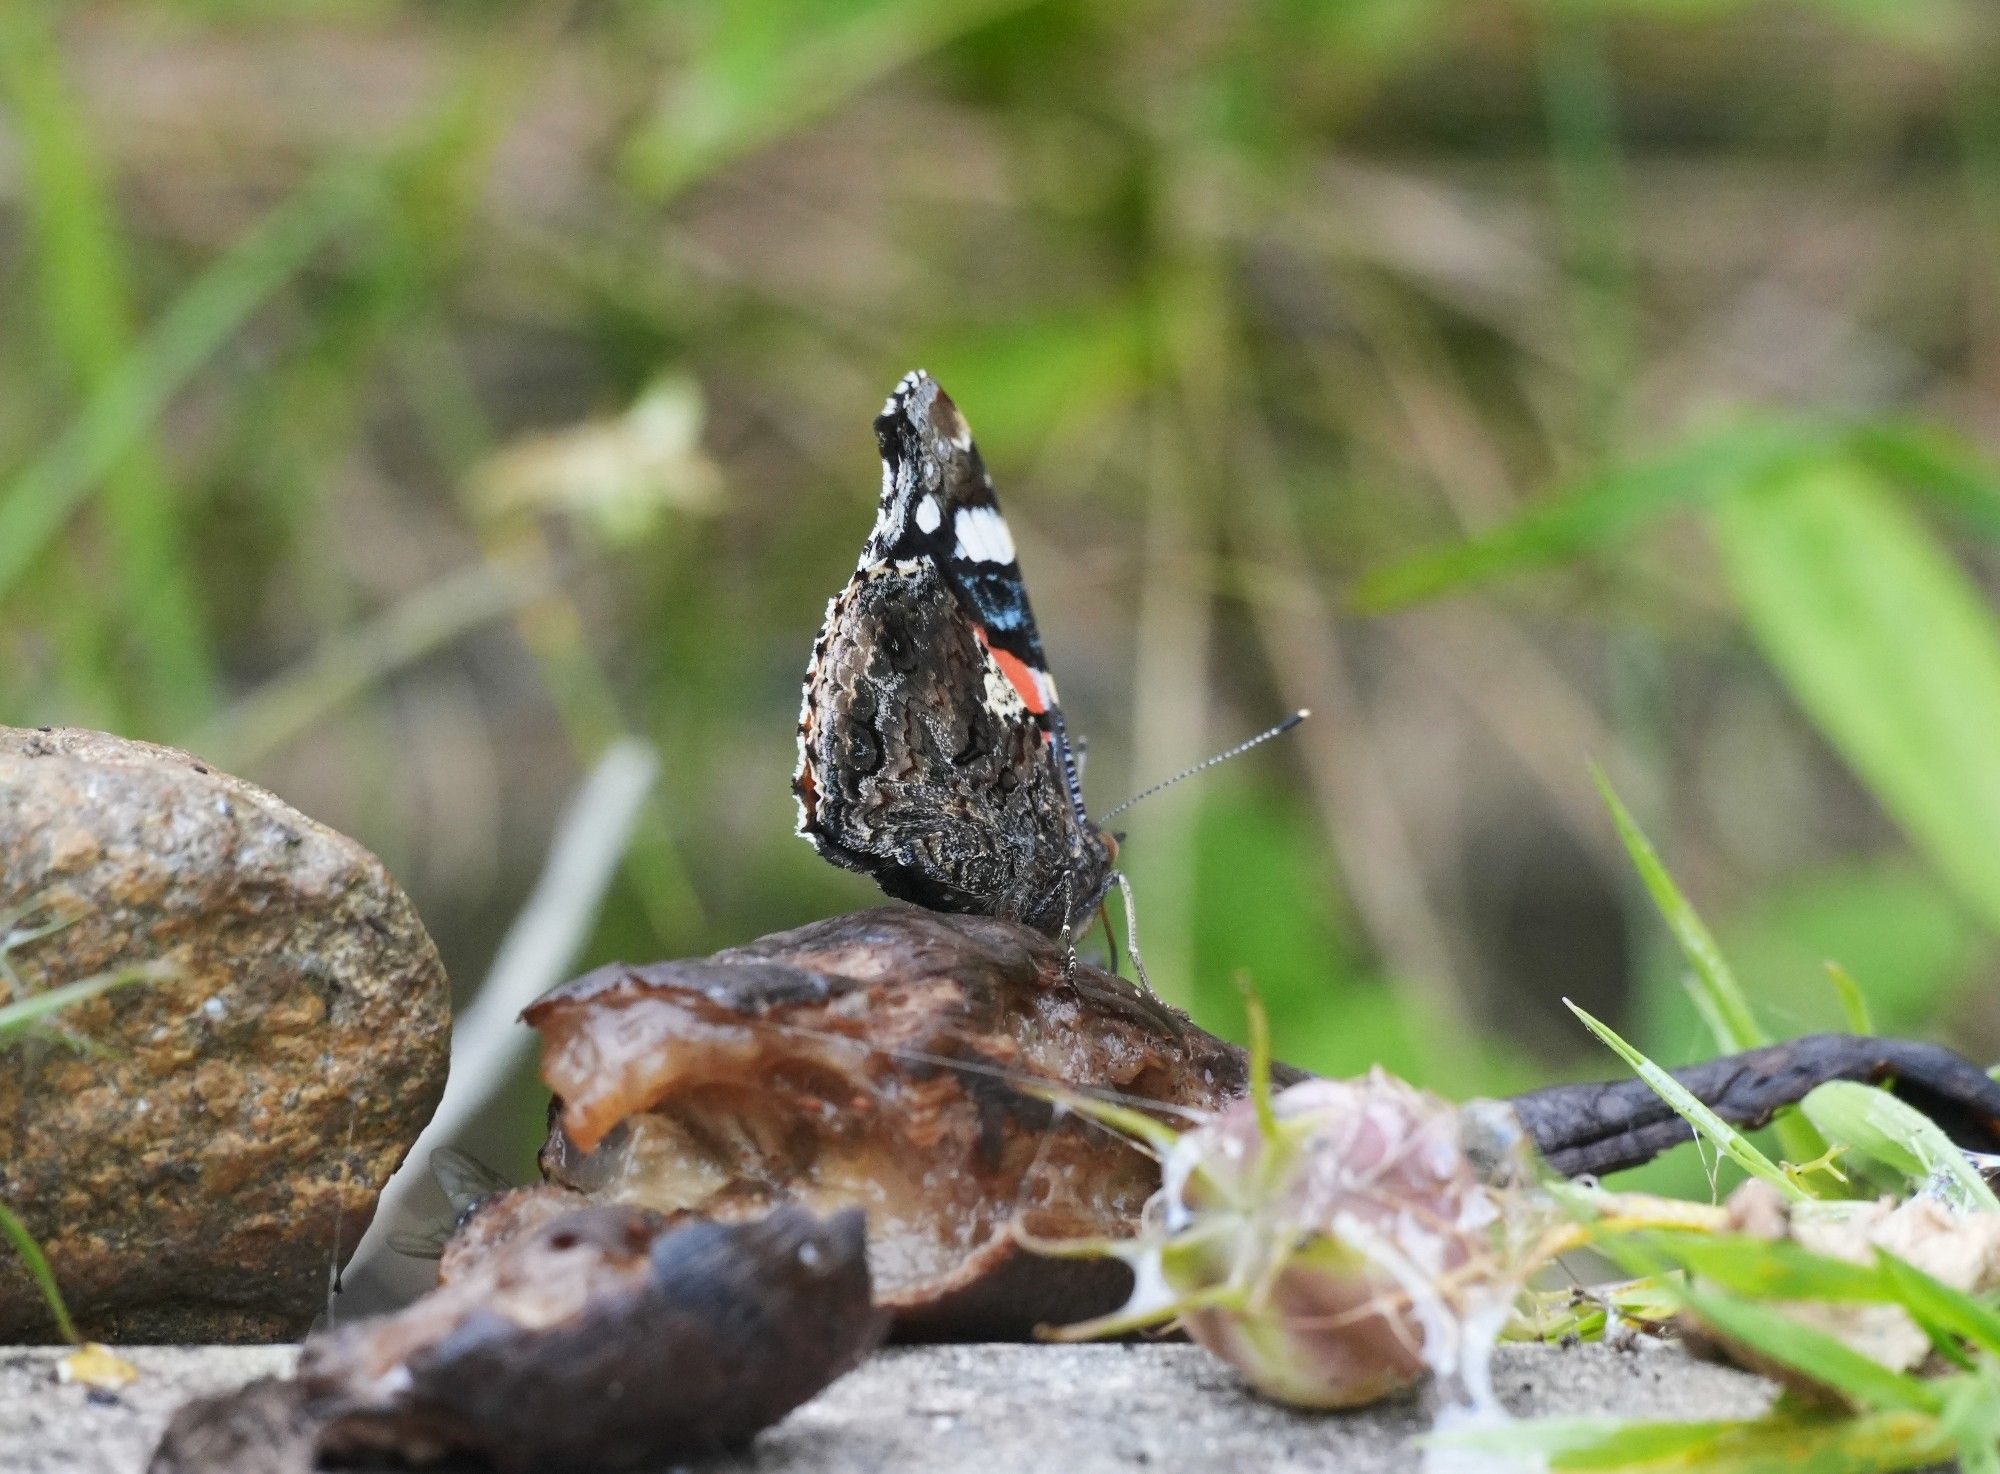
{"x":196,"y":1171}
{"x":1014,"y":1409}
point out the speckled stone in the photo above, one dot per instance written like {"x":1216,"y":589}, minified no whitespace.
{"x":1014,"y":1409}
{"x":194,"y":1173}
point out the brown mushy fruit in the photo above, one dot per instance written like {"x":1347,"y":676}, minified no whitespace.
{"x":884,"y":1060}
{"x":889,"y":1060}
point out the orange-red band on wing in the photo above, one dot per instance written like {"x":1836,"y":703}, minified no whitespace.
{"x":1024,"y":678}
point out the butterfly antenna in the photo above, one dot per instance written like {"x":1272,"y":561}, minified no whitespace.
{"x":1208,"y":762}
{"x":1072,"y":780}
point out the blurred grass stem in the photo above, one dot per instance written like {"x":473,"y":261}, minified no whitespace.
{"x":552,"y":629}
{"x":1582,"y":111}
{"x":488,"y":1041}
{"x":1348,"y":779}
{"x":349,"y":664}
{"x":40,"y":500}
{"x":83,"y":281}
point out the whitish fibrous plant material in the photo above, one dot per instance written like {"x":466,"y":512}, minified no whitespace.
{"x":1952,"y":1244}
{"x":1336,"y":1242}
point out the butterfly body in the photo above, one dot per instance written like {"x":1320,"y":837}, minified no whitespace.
{"x":932,"y":751}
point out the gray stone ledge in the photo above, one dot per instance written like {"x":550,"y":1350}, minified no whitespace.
{"x":981,"y":1409}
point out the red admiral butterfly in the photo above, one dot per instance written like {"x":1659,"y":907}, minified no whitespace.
{"x":932,"y":750}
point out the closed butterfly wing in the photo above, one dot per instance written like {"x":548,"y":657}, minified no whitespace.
{"x":932,"y":751}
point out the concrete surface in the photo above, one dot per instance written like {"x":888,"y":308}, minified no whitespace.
{"x":981,"y":1409}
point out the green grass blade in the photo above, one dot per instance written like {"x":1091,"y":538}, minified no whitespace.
{"x":1760,"y":1269}
{"x":83,"y":282}
{"x":18,"y":1017}
{"x":1887,"y":645}
{"x":1817,"y":1354}
{"x":1939,"y":1307}
{"x":1124,"y":1120}
{"x":37,"y":504}
{"x":1597,"y":515}
{"x":16,"y":1233}
{"x":1707,"y":1125}
{"x":1718,"y":996}
{"x":1704,"y":1007}
{"x":1753,"y":1269}
{"x":1972,"y":1418}
{"x":1260,"y":1059}
{"x":357,"y":660}
{"x":1724,"y":996}
{"x":761,"y":71}
{"x":1853,"y":1002}
{"x":1878,"y":1125}
{"x":1781,"y":1443}
{"x":1620,"y":504}
{"x":1937,"y":463}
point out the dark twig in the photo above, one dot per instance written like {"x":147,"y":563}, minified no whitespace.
{"x":1621,"y":1123}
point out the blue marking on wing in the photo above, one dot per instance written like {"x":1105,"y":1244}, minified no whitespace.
{"x":1000,"y":603}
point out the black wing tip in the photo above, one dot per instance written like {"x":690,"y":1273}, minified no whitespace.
{"x":912,"y":392}
{"x":917,"y":417}
{"x":898,"y":427}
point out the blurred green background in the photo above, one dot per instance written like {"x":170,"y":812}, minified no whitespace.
{"x":399,"y":402}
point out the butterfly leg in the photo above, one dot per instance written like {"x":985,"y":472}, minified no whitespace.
{"x":1068,"y":930}
{"x":1132,"y":931}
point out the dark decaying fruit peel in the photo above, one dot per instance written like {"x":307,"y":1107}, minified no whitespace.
{"x":890,"y":1060}
{"x":607,"y":1339}
{"x":886,"y":1060}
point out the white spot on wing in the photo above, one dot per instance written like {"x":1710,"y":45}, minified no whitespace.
{"x":929,"y":514}
{"x":983,"y":536}
{"x":888,"y":515}
{"x":1000,"y":693}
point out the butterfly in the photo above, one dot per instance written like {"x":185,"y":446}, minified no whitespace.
{"x":933,"y":755}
